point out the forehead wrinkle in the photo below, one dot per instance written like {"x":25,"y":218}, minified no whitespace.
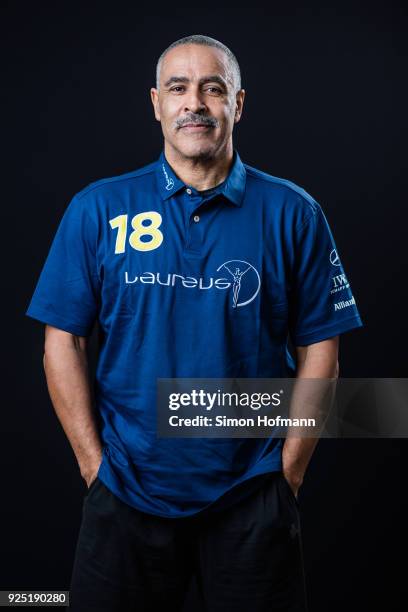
{"x":185,"y":62}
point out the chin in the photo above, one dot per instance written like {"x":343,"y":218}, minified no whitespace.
{"x":198,"y":151}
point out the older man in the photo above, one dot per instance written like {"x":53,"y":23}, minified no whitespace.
{"x":196,"y":265}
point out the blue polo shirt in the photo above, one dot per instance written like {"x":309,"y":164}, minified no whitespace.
{"x":195,"y":285}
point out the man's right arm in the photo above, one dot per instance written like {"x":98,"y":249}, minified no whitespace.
{"x":66,"y":370}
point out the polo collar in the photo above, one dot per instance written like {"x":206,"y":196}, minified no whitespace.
{"x":233,"y":188}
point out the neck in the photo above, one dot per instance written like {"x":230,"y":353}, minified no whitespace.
{"x":200,"y":173}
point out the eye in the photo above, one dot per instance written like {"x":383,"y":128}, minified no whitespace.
{"x":214,"y":89}
{"x":177,"y":87}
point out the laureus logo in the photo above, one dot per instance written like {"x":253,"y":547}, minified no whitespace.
{"x":238,"y":275}
{"x":249,"y":289}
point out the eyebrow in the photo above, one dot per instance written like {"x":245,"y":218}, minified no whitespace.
{"x":213,"y":78}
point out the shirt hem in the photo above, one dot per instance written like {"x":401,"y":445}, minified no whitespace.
{"x":275,"y":466}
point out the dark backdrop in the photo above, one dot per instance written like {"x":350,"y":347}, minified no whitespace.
{"x":326,"y":107}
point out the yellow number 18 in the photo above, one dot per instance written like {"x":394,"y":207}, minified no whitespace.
{"x":152,"y":229}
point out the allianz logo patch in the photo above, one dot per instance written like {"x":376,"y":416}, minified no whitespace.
{"x":240,"y":277}
{"x":344,"y":304}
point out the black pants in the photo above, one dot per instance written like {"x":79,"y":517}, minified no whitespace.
{"x":245,"y":558}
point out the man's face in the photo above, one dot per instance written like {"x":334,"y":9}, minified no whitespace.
{"x":196,"y":103}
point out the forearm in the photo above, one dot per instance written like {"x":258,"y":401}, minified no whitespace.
{"x":317,"y":363}
{"x":66,"y":370}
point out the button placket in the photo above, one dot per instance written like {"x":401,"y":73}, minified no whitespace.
{"x":191,"y":203}
{"x":194,"y":230}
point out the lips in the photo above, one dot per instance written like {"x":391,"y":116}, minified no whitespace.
{"x":196,"y":126}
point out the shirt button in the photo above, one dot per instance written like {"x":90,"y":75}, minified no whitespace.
{"x":196,"y":218}
{"x":188,"y":190}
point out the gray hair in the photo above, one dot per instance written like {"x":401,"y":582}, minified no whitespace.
{"x":200,"y":39}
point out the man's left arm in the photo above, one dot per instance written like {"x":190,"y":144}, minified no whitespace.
{"x":319,"y":360}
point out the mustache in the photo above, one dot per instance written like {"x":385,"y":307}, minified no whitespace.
{"x":197,"y":119}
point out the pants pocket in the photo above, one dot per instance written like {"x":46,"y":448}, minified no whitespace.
{"x":94,"y":483}
{"x":290,"y":490}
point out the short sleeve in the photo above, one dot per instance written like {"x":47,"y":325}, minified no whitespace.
{"x":67,"y":293}
{"x":321,"y":303}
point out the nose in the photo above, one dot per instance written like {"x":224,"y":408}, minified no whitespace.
{"x":194,"y":102}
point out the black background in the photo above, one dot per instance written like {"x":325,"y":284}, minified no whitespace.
{"x":326,"y":107}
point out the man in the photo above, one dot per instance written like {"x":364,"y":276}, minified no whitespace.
{"x":196,"y":265}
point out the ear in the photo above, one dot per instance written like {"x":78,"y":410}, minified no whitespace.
{"x":239,"y":105}
{"x":154,"y":95}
